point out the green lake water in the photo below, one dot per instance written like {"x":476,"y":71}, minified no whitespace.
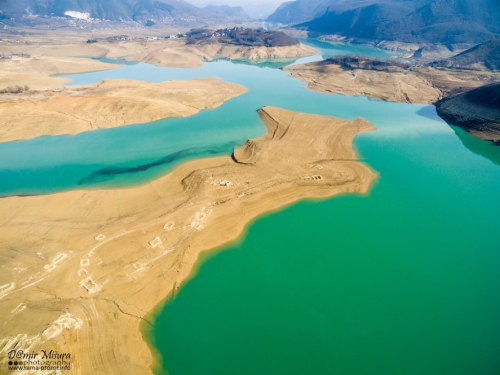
{"x":403,"y":280}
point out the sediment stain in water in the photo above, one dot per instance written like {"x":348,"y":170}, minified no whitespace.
{"x":108,"y":173}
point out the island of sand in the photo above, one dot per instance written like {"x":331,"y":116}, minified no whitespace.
{"x":82,"y":270}
{"x":107,"y":104}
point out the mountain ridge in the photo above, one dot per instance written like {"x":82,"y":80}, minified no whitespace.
{"x":118,"y":10}
{"x":226,"y":11}
{"x":420,"y":21}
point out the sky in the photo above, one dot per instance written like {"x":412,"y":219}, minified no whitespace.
{"x":235,"y":2}
{"x":254,"y":8}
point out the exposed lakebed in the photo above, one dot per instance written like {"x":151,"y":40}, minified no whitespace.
{"x":403,"y":280}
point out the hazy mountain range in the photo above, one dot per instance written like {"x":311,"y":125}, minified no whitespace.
{"x":435,"y":21}
{"x":256,"y":9}
{"x":225,"y":11}
{"x":430,"y":21}
{"x":119,"y":10}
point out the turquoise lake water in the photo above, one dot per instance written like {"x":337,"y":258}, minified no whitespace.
{"x":134,"y":154}
{"x":403,"y":280}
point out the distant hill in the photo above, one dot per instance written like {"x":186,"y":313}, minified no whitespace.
{"x":161,"y":9}
{"x":293,"y":12}
{"x":242,"y":37}
{"x":116,"y":10}
{"x":483,"y":56}
{"x":225,"y":11}
{"x":420,"y":21}
{"x":477,"y":111}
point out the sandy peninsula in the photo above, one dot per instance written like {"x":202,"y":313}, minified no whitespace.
{"x":80,"y":270}
{"x":107,"y":104}
{"x":423,"y":85}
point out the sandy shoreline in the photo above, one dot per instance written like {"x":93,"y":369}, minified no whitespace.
{"x":36,"y":63}
{"x":108,"y":104}
{"x":89,"y":266}
{"x":420,"y":86}
{"x":165,"y":52}
{"x":48,"y":108}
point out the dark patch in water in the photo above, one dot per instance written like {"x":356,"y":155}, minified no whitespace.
{"x":108,"y":173}
{"x":487,"y":149}
{"x":18,"y":195}
{"x":429,"y":112}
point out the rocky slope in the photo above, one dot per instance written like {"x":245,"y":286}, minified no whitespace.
{"x":477,"y":111}
{"x":485,"y":56}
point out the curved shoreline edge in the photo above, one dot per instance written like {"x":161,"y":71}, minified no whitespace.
{"x":89,"y":266}
{"x":476,"y":111}
{"x":108,"y":104}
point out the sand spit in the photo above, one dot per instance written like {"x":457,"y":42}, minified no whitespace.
{"x":82,"y":269}
{"x":423,"y":86}
{"x":108,"y":104}
{"x":38,"y":72}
